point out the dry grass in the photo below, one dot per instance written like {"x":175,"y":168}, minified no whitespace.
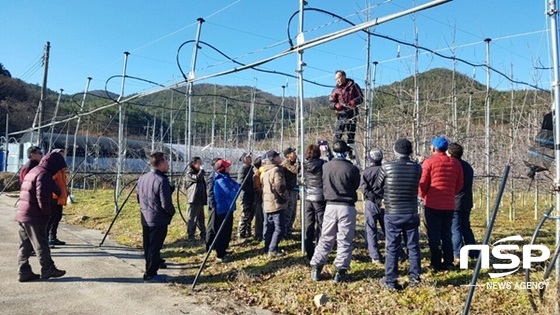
{"x":283,"y":285}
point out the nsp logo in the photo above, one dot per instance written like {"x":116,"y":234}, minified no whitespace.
{"x":500,"y":252}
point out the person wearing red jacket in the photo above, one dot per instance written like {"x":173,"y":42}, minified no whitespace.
{"x":344,"y":98}
{"x":442,"y":179}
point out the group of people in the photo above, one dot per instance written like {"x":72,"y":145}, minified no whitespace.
{"x":392,"y":192}
{"x":395,"y":190}
{"x":269,"y":192}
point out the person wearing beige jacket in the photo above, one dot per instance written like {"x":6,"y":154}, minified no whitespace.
{"x":275,"y":202}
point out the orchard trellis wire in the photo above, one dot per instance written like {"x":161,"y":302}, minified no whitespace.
{"x":506,"y":129}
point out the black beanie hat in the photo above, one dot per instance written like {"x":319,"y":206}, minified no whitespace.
{"x":403,"y":146}
{"x":340,"y":146}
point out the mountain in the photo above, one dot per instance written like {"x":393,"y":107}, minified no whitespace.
{"x":21,"y":99}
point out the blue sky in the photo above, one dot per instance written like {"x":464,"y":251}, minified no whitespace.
{"x":88,"y":39}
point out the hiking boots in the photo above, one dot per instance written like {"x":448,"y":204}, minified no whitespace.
{"x":389,"y":286}
{"x":56,"y":241}
{"x":275,"y":254}
{"x":316,"y":273}
{"x":24,"y":277}
{"x":414,"y":283}
{"x":341,"y":276}
{"x":52,"y":273}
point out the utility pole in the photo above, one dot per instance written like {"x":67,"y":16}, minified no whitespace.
{"x":190,"y":90}
{"x":54,"y":119}
{"x":75,"y":145}
{"x":43,"y":95}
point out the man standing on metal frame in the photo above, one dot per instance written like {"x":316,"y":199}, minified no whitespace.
{"x":344,"y":98}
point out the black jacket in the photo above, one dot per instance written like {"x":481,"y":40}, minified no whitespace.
{"x":398,"y":183}
{"x":196,"y":186}
{"x":464,"y":199}
{"x":368,"y":181}
{"x":341,"y":179}
{"x":154,"y":197}
{"x":314,"y":179}
{"x":248,"y":188}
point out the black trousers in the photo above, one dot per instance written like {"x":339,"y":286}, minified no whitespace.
{"x":247,"y":215}
{"x":348,"y":125}
{"x":439,"y":224}
{"x":314,"y":212}
{"x":153,"y":236}
{"x":56,"y":216}
{"x":222,"y":240}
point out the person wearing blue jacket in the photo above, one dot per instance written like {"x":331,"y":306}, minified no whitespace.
{"x":222,"y":190}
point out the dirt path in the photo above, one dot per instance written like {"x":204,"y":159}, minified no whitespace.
{"x":99,"y":280}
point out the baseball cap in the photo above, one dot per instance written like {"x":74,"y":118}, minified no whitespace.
{"x":221,"y":165}
{"x":440,"y":143}
{"x":289,"y":150}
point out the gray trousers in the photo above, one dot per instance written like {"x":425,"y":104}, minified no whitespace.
{"x":339,"y":225}
{"x":195,"y":219}
{"x":291,"y":212}
{"x":33,"y":237}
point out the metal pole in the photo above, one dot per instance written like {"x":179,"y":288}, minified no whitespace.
{"x":54,"y":119}
{"x":282,"y":119}
{"x":225,"y":129}
{"x":553,"y":14}
{"x":190,"y":91}
{"x":154,"y":134}
{"x":5,"y":166}
{"x":76,"y":136}
{"x":301,"y":64}
{"x":367,"y":101}
{"x":417,"y":124}
{"x":171,"y":122}
{"x":214,"y":123}
{"x":120,"y":157}
{"x":252,"y":118}
{"x":454,"y":96}
{"x":375,"y":63}
{"x":467,"y":131}
{"x":487,"y":128}
{"x":220,"y":229}
{"x":486,"y":240}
